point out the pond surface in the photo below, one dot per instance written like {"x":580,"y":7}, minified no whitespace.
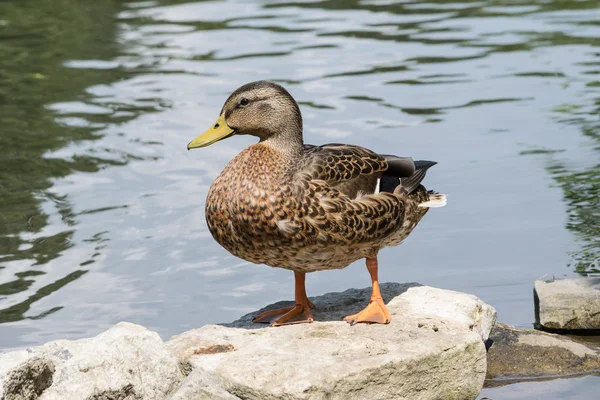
{"x":102,"y":207}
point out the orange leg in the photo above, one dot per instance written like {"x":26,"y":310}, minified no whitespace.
{"x":298,"y":314}
{"x":376,"y":312}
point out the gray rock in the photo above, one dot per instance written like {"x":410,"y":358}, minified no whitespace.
{"x":567,"y":304}
{"x":331,"y":306}
{"x":432,"y":349}
{"x":26,"y":380}
{"x":518,"y":354}
{"x":202,"y":385}
{"x":127,"y":362}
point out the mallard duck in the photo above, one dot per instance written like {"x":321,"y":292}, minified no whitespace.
{"x":308,"y":208}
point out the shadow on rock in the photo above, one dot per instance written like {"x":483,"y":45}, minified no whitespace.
{"x":330,"y":306}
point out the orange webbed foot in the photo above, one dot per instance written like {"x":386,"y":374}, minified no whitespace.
{"x":298,"y":314}
{"x":375,"y":313}
{"x":268,"y":317}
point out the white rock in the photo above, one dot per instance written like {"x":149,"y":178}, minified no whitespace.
{"x":126,"y":362}
{"x":465,"y":311}
{"x":568,"y":304}
{"x":432,"y":349}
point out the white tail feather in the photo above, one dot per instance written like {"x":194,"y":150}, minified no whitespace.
{"x":377,"y":187}
{"x":435,"y":200}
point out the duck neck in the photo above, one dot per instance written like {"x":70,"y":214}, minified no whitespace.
{"x":288,"y":141}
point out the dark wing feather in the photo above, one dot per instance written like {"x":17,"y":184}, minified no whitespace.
{"x":400,"y":167}
{"x":412,"y":182}
{"x":389,"y":182}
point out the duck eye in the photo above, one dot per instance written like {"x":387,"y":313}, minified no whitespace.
{"x":244,"y":101}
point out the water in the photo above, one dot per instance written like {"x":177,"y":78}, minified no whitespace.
{"x":101,"y":206}
{"x":563,"y":389}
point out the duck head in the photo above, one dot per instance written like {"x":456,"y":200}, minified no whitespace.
{"x":263,"y":109}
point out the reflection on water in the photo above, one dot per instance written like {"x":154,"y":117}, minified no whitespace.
{"x":101,"y":207}
{"x":34,"y":41}
{"x":581,"y":183}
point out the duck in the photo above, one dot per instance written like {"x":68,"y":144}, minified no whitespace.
{"x":307,"y":208}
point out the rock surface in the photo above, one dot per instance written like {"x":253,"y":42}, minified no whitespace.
{"x":200,"y":385}
{"x":432,"y":349}
{"x":127,"y":362}
{"x":524,"y":353}
{"x":567,"y":304}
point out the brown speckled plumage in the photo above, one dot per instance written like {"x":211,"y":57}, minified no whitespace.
{"x":304,"y":208}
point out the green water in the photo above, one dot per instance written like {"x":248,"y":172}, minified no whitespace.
{"x":101,"y":207}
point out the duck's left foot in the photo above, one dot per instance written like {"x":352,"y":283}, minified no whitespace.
{"x":298,"y":314}
{"x":375,"y":313}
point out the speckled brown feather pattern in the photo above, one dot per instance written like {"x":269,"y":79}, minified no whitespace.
{"x":308,"y":211}
{"x":335,"y":163}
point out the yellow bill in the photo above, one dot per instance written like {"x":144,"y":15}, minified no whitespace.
{"x":219,"y":131}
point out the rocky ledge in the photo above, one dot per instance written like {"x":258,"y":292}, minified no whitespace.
{"x":567,"y":304}
{"x":525,"y":354}
{"x":433,"y":349}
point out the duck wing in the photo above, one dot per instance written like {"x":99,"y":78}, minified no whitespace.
{"x":353,"y":169}
{"x":335,"y":163}
{"x":328,"y":213}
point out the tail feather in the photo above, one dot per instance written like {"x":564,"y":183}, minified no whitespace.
{"x":412,"y":182}
{"x":435,"y":200}
{"x":406,"y":173}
